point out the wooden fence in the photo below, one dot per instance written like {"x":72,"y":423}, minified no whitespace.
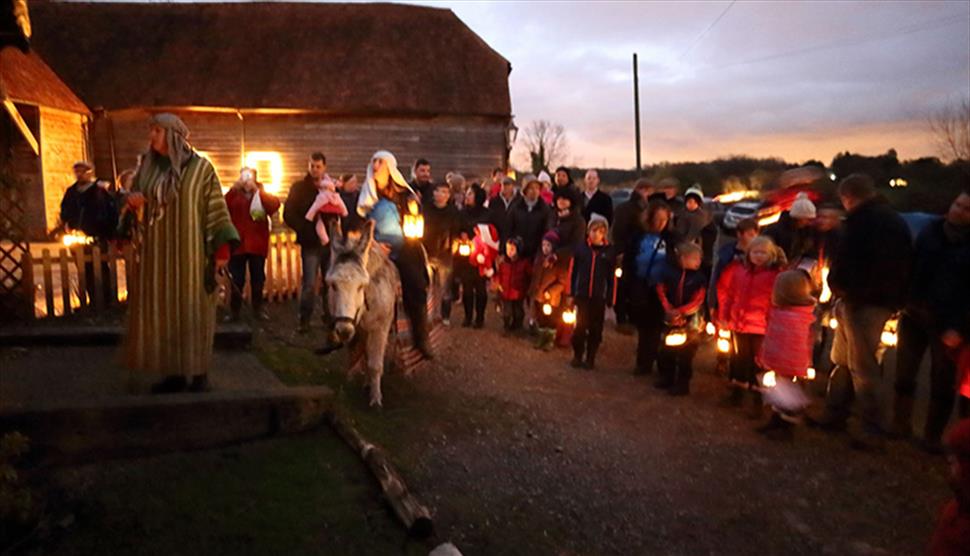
{"x":60,"y":281}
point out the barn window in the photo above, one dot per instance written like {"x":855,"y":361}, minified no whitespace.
{"x":269,"y":168}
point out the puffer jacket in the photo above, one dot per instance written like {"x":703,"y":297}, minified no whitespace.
{"x":513,"y":278}
{"x":550,"y":278}
{"x":787,"y":347}
{"x":592,"y":273}
{"x":745,"y":307}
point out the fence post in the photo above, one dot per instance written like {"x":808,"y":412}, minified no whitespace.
{"x":63,"y":259}
{"x":98,"y":286}
{"x":48,"y":282}
{"x":27,"y":277}
{"x":82,"y":279}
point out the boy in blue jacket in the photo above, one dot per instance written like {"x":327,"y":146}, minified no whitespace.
{"x":592,"y":277}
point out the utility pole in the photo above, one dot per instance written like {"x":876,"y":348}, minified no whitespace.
{"x":636,"y":110}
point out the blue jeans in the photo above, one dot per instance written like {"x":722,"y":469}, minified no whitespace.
{"x":312,"y":258}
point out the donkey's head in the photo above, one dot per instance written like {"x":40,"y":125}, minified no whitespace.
{"x":347,"y":277}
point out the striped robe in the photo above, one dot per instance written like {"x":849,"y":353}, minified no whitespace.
{"x":172,"y":300}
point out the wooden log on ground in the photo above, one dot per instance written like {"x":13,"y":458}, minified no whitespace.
{"x":414,"y":515}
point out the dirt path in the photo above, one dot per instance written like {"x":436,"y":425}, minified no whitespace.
{"x":521,"y":454}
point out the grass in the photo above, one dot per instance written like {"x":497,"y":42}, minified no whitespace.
{"x":299,"y":495}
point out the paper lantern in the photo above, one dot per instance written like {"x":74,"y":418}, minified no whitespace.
{"x":76,"y":237}
{"x":464,"y":249}
{"x":675,"y":338}
{"x":413,"y":222}
{"x":769,"y":380}
{"x":546,"y":309}
{"x":569,"y":317}
{"x":618,"y":273}
{"x":889,"y":338}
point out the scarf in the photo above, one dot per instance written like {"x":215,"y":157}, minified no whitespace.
{"x":179,"y":153}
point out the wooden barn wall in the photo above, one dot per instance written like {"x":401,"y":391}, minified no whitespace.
{"x":63,"y":141}
{"x":25,"y":165}
{"x":468,"y":145}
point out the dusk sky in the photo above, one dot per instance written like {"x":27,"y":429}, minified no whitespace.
{"x":789,"y":79}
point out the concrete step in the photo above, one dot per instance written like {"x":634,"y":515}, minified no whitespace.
{"x":126,"y":426}
{"x":236,"y":335}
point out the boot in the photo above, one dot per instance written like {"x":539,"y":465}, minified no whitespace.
{"x":936,"y":420}
{"x":681,"y":385}
{"x":757,"y":410}
{"x":591,"y":358}
{"x":577,"y":361}
{"x":902,"y":427}
{"x":200,"y":383}
{"x":170,"y":385}
{"x":734,"y":398}
{"x":550,"y":340}
{"x":777,"y":428}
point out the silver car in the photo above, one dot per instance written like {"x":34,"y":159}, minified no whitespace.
{"x":739,"y":211}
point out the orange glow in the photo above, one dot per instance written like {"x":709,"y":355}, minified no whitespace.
{"x":269,"y":168}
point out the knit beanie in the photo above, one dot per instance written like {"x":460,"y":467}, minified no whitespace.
{"x":793,"y":288}
{"x":552,"y":236}
{"x":544,"y":177}
{"x":696,"y":192}
{"x":803,"y":207}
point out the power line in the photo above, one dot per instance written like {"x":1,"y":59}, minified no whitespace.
{"x":708,"y":30}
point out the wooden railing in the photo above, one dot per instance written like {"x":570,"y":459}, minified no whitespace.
{"x":60,"y":281}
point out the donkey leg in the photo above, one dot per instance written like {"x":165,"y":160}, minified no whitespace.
{"x":376,"y":344}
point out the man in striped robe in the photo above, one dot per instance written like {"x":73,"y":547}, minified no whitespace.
{"x":185,"y":225}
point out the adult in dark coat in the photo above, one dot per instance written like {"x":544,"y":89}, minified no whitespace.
{"x":594,"y":200}
{"x":313,"y":256}
{"x":442,"y":225}
{"x":563,"y":185}
{"x":937,"y":317}
{"x":529,"y":218}
{"x":499,"y":208}
{"x":349,"y":194}
{"x":870,"y":277}
{"x":90,"y":209}
{"x":626,"y":225}
{"x":568,"y":222}
{"x":474,"y":296}
{"x":795,"y":233}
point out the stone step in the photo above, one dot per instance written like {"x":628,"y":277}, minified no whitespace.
{"x":228,"y":335}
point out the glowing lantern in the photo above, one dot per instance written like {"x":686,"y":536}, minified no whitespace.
{"x":769,"y":380}
{"x":569,"y":317}
{"x":710,"y":329}
{"x":833,"y":324}
{"x":889,"y":337}
{"x":70,"y":239}
{"x":723,"y":346}
{"x":546,"y":309}
{"x":810,"y":374}
{"x":735,"y":196}
{"x":464,"y":249}
{"x":826,"y":294}
{"x":618,"y":273}
{"x":413,"y":222}
{"x":267,"y":163}
{"x":675,"y":338}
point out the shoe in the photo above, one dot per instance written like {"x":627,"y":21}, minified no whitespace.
{"x":679,"y":390}
{"x":231,"y":317}
{"x":663,"y":383}
{"x":931,"y":446}
{"x":304,"y":327}
{"x":734,"y":398}
{"x":576,"y":363}
{"x":262,"y":315}
{"x":446,"y":322}
{"x":170,"y":385}
{"x":757,"y":410}
{"x":867,"y":442}
{"x":467,"y":323}
{"x":777,"y":429}
{"x":590,"y":365}
{"x":200,"y":383}
{"x":426,"y":352}
{"x":902,"y":427}
{"x":826,"y":423}
{"x":479,"y":324}
{"x":642,"y":372}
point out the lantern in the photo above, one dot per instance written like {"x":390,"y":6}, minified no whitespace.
{"x":465,"y":249}
{"x":710,"y":329}
{"x":769,"y":380}
{"x":826,"y":294}
{"x":810,"y":374}
{"x":723,"y":346}
{"x":833,"y":323}
{"x":413,"y":222}
{"x":618,"y":273}
{"x":569,"y":317}
{"x":889,"y":337}
{"x":75,"y":237}
{"x":675,"y":338}
{"x":546,"y":309}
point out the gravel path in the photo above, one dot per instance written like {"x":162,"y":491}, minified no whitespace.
{"x":544,"y":459}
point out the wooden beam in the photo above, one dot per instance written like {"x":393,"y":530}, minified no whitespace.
{"x":21,"y":125}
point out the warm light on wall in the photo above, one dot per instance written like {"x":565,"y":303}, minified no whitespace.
{"x":269,"y":168}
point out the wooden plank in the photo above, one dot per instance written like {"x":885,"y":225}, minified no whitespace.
{"x":113,"y":273}
{"x":99,"y":278}
{"x":82,"y":291}
{"x":129,"y":253}
{"x":270,"y":270}
{"x":29,"y":289}
{"x":48,"y":282}
{"x":64,"y":258}
{"x":279,"y":262}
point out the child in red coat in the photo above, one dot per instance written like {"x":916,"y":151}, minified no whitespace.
{"x":513,"y":284}
{"x":787,"y":349}
{"x":744,"y":311}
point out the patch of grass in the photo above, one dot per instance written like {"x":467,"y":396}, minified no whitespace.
{"x":299,"y":495}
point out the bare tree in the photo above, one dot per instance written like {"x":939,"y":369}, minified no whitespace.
{"x":546,"y":143}
{"x":950,"y":126}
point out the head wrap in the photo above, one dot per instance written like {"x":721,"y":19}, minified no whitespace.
{"x":369,"y":194}
{"x":179,"y":153}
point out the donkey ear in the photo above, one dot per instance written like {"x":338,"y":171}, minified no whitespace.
{"x":337,"y":238}
{"x":366,"y":237}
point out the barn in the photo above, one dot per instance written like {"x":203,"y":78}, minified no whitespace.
{"x":265,"y":84}
{"x":43,"y":132}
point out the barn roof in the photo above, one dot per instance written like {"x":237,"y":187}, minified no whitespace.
{"x":26,"y":78}
{"x":335,"y":58}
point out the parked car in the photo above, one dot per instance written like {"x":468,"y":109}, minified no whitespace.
{"x":738,"y":212}
{"x":620,"y":195}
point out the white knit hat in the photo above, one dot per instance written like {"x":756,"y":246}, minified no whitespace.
{"x":697,"y":192}
{"x":803,"y":207}
{"x":544,"y":177}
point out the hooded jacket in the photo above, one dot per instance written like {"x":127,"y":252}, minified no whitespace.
{"x":744,"y":308}
{"x":550,"y":279}
{"x":592,"y":273}
{"x":513,"y":278}
{"x":874,"y":260}
{"x":529,"y":224}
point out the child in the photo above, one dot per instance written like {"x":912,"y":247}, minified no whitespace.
{"x":550,"y":276}
{"x":744,"y":311}
{"x":513,"y":281}
{"x":787,"y":347}
{"x":482,"y":261}
{"x":681,"y":291}
{"x":326,"y":208}
{"x":592,"y":286}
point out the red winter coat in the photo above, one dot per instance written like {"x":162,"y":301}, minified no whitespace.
{"x":787,"y":347}
{"x":963,"y":370}
{"x":513,"y":278}
{"x":253,"y":235}
{"x":745,"y":307}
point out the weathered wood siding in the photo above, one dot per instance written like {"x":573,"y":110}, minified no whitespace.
{"x":24,"y":164}
{"x":470,"y":145}
{"x":63,"y":141}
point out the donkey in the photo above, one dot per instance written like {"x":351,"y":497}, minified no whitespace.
{"x":363,"y":285}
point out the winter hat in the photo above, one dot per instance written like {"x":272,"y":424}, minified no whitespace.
{"x":803,"y":207}
{"x":793,"y":288}
{"x":544,"y":177}
{"x":696,"y":192}
{"x":552,"y":236}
